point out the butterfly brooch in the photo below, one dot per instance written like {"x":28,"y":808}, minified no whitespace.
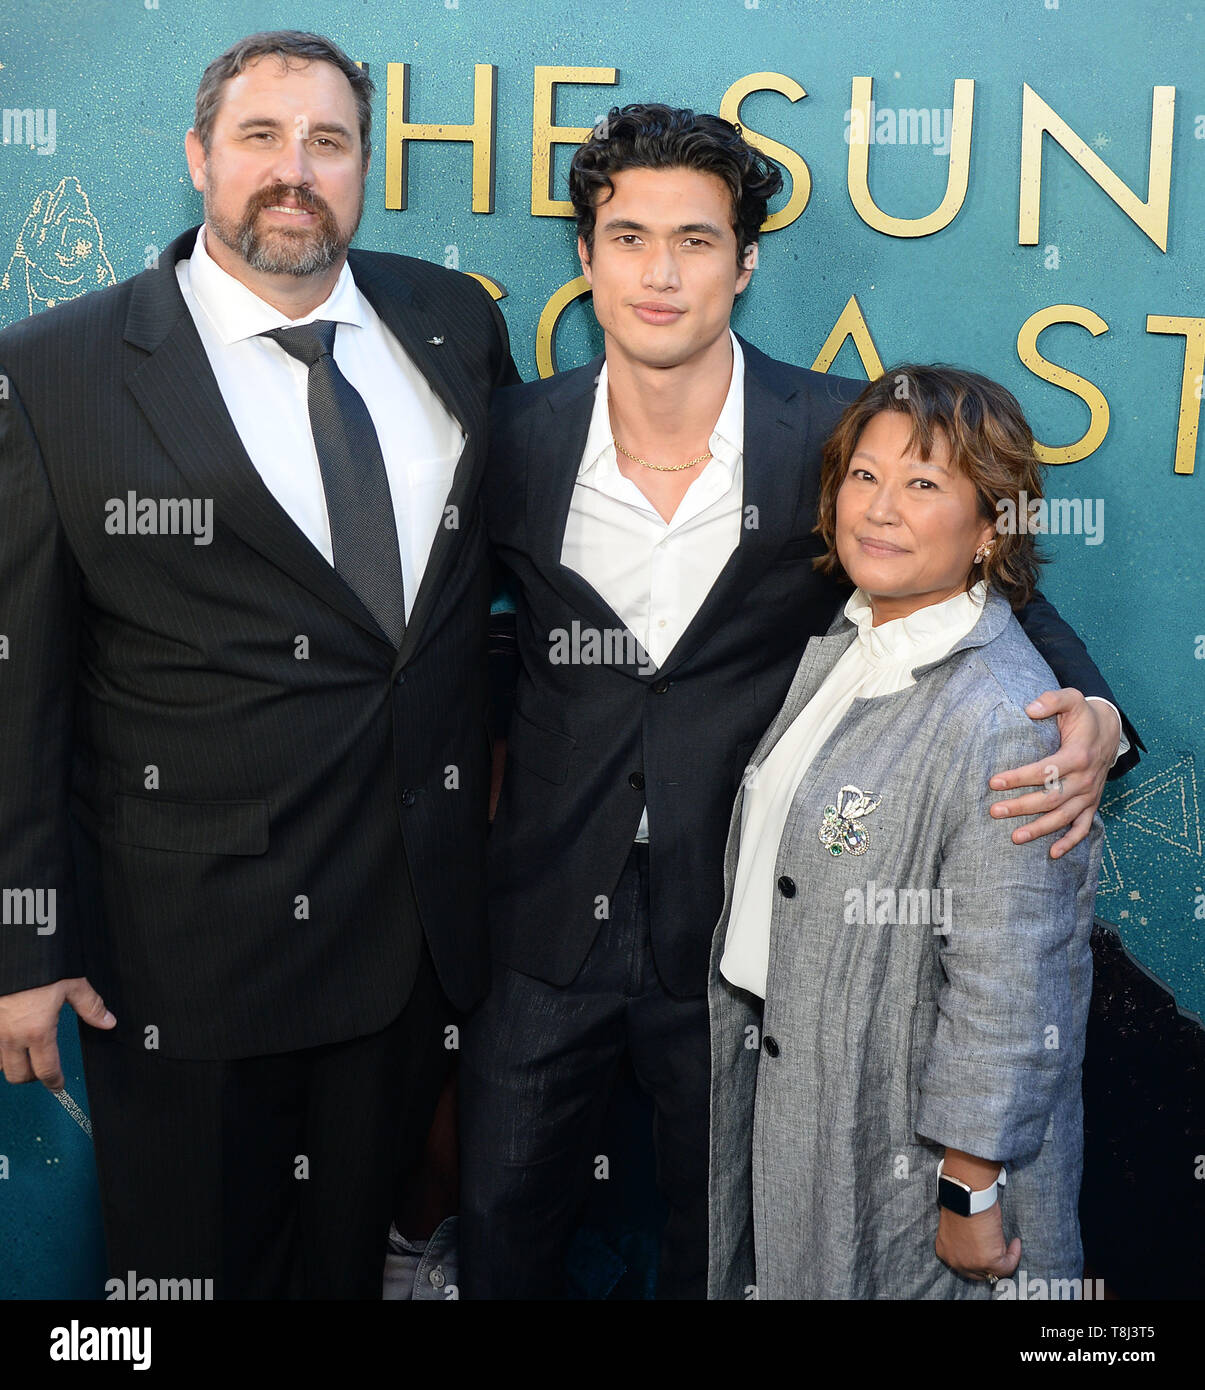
{"x":841,"y":830}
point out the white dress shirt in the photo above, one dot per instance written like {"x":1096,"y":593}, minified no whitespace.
{"x":265,"y":392}
{"x":655,"y":574}
{"x":878,"y":661}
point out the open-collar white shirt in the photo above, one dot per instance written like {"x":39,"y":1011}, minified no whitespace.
{"x":655,"y":574}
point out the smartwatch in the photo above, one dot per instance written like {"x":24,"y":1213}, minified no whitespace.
{"x":957,"y":1196}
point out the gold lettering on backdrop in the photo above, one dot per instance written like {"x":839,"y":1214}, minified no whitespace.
{"x":1027,"y":351}
{"x":1038,"y":119}
{"x":496,"y":291}
{"x":801,"y":175}
{"x":545,"y":134}
{"x":1192,"y":382}
{"x":549,"y":320}
{"x":858,"y":177}
{"x":400,"y":131}
{"x":851,"y":324}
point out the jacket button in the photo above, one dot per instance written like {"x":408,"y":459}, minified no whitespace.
{"x":400,"y":678}
{"x":771,"y":1045}
{"x":437,"y":1277}
{"x":661,"y":687}
{"x":786,"y":886}
{"x":636,"y":780}
{"x":408,"y":797}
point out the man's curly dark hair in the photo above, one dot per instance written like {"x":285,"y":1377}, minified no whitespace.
{"x":652,"y":136}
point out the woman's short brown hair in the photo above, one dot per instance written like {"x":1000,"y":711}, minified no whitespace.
{"x":989,"y":441}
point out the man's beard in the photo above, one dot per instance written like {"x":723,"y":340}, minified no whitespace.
{"x":284,"y":251}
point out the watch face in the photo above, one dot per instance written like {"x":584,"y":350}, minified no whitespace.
{"x":954,"y":1195}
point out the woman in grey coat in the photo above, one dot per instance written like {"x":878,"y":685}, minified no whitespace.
{"x":897,"y":987}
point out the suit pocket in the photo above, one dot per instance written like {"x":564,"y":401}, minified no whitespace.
{"x":192,"y":827}
{"x":542,"y":751}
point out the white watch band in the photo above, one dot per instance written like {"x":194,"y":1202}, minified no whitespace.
{"x":980,"y":1201}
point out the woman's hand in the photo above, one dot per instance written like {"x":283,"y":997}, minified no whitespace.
{"x":974,"y":1246}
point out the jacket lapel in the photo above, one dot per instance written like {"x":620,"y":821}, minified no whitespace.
{"x":551,"y":477}
{"x":818,"y":660}
{"x":778,"y":438}
{"x":179,"y":394}
{"x":177,"y":391}
{"x":422,"y":331}
{"x":823,"y":653}
{"x":430,"y":343}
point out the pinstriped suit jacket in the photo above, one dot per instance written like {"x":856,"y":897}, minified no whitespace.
{"x":245,"y":832}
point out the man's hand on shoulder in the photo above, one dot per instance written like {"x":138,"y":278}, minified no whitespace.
{"x":1072,"y":779}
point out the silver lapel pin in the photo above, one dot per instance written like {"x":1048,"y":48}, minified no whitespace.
{"x":435,"y":342}
{"x":841,"y":828}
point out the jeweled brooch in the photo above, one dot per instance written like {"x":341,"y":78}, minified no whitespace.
{"x":841,"y":830}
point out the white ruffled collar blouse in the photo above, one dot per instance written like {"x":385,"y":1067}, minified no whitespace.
{"x":879,"y":661}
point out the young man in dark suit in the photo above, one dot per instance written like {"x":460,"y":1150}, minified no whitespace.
{"x":244,"y":591}
{"x":655,"y":512}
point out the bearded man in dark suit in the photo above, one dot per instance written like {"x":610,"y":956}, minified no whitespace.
{"x":242,"y":717}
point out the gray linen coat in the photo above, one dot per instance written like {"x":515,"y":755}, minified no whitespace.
{"x":883,"y":1042}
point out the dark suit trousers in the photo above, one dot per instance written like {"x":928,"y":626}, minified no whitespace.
{"x":274,"y":1176}
{"x":538,"y":1065}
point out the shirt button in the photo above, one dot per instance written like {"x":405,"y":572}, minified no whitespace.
{"x":771,"y":1046}
{"x":636,"y":780}
{"x":660,"y":622}
{"x":408,"y":797}
{"x":661,"y":687}
{"x":786,"y":886}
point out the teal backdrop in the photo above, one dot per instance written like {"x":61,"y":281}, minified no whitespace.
{"x":110,"y":88}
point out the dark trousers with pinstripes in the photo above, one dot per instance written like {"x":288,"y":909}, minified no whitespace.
{"x":538,"y":1065}
{"x":274,"y":1176}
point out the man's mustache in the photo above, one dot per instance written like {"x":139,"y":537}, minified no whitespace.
{"x":306,"y":199}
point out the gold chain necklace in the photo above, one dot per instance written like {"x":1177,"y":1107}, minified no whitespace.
{"x":660,"y":467}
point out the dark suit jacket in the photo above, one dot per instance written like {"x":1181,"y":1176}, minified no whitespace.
{"x":589,"y":744}
{"x":245,"y":842}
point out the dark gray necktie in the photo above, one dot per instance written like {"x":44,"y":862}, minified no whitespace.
{"x":358,"y":502}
